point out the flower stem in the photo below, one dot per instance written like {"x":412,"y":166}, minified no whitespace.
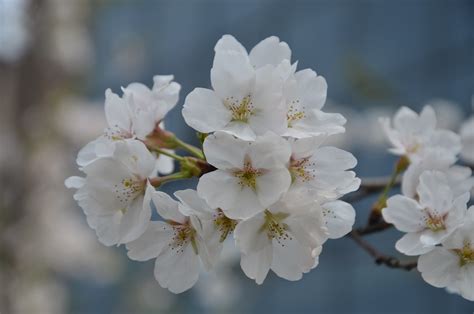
{"x":190,"y":148}
{"x":167,"y":153}
{"x":381,"y":203}
{"x":158,"y":181}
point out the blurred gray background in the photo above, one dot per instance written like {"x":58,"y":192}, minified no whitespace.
{"x":58,"y":57}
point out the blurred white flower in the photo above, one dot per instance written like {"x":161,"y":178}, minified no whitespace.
{"x":430,"y":220}
{"x":452,"y":264}
{"x":458,"y":177}
{"x":112,"y":194}
{"x":449,"y":113}
{"x":467,"y":140}
{"x":286,"y":238}
{"x":179,"y":242}
{"x":414,"y":135}
{"x":250,"y":176}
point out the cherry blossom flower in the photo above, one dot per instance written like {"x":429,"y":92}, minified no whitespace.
{"x":414,"y":135}
{"x":305,"y":95}
{"x":112,"y":194}
{"x":286,"y":238}
{"x":245,"y":101}
{"x":189,"y":233}
{"x":270,"y":51}
{"x":134,"y":115}
{"x":431,"y":219}
{"x":467,"y":139}
{"x":321,"y":170}
{"x":452,"y":264}
{"x":250,"y":176}
{"x":458,"y":177}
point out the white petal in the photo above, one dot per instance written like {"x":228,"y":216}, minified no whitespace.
{"x":74,"y":182}
{"x":249,"y":236}
{"x":136,"y":156}
{"x":316,"y":123}
{"x":229,"y":43}
{"x":106,"y":227}
{"x":272,"y":185}
{"x":241,"y":130}
{"x":269,"y":51}
{"x":406,"y":214}
{"x":269,"y":151}
{"x":332,"y":158}
{"x":446,"y":140}
{"x":308,"y":228}
{"x":301,"y":148}
{"x":439,"y":267}
{"x":232,"y":74}
{"x":204,"y":111}
{"x":117,"y":111}
{"x":164,"y":164}
{"x":257,"y":264}
{"x":167,"y":207}
{"x":410,"y":244}
{"x":88,"y":153}
{"x":466,"y":282}
{"x":339,"y":217}
{"x":221,"y":189}
{"x":291,"y":260}
{"x":103,"y":177}
{"x":408,"y":121}
{"x":177,"y":270}
{"x":192,"y":204}
{"x":135,"y":220}
{"x":267,"y":98}
{"x":312,"y":89}
{"x":151,"y":243}
{"x":434,"y":192}
{"x":224,"y":151}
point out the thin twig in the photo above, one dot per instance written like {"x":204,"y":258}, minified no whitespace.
{"x":381,"y":226}
{"x":381,"y":259}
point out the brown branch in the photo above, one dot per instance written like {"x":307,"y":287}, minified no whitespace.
{"x":381,"y":226}
{"x":381,"y":259}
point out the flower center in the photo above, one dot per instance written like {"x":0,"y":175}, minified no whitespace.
{"x":294,"y":113}
{"x":224,"y":224}
{"x":128,"y":189}
{"x":248,"y":175}
{"x":298,"y":169}
{"x":241,"y":110}
{"x":413,"y":148}
{"x":116,"y":134}
{"x":275,"y":228}
{"x":466,"y":254}
{"x":183,"y":234}
{"x":435,"y":222}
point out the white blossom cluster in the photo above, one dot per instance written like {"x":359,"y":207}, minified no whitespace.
{"x":274,"y":186}
{"x":432,"y":210}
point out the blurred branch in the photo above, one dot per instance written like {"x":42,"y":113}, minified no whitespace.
{"x":381,"y":226}
{"x":379,"y":258}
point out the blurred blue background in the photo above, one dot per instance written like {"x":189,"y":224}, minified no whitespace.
{"x":376,"y":55}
